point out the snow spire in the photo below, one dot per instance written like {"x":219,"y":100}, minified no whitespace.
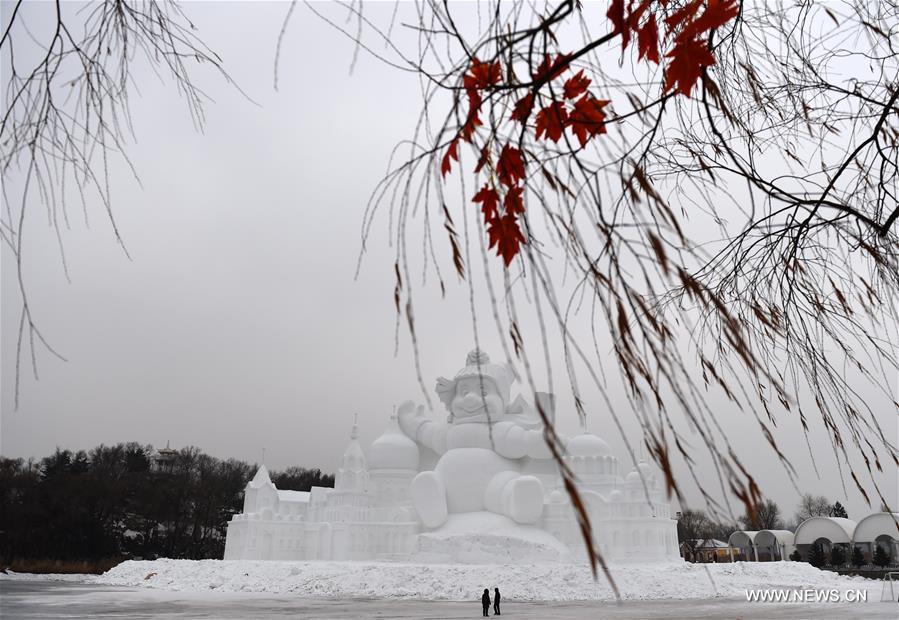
{"x":351,"y":476}
{"x":261,"y":477}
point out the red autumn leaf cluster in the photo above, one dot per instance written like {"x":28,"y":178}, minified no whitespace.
{"x":691,"y":53}
{"x":687,"y":28}
{"x":503,"y":230}
{"x":686,"y":32}
{"x":585,"y":117}
{"x":481,"y":75}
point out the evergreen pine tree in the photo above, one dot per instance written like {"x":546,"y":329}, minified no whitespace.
{"x":816,"y":555}
{"x":837,"y":556}
{"x":858,"y":558}
{"x":881,"y":557}
{"x":838,"y":511}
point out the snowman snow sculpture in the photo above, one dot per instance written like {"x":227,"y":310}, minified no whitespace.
{"x":482,"y":447}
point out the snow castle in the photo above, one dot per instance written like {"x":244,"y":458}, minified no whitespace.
{"x":479,"y":487}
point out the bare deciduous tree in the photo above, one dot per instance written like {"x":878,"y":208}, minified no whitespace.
{"x":66,"y":112}
{"x":718,"y":180}
{"x":766,"y":516}
{"x":811,"y":506}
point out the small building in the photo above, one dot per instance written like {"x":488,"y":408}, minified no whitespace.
{"x":163,"y":459}
{"x":707,"y":550}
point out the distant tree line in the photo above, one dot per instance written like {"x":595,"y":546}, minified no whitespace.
{"x":112,"y":503}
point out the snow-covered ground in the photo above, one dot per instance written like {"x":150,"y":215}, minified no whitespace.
{"x":455,"y":582}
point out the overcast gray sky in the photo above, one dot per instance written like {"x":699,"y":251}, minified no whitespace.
{"x":238,"y":324}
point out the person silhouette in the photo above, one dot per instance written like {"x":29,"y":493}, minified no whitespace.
{"x":496,"y":602}
{"x":485,"y":601}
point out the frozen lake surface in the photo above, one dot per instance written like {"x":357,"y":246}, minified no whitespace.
{"x":49,"y":600}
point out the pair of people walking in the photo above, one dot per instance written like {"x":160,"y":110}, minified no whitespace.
{"x":485,"y":602}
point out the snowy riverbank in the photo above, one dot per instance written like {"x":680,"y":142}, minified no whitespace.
{"x":538,"y":582}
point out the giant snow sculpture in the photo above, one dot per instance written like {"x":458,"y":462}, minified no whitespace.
{"x":478,"y":487}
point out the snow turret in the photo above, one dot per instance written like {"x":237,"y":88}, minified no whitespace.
{"x":260,"y":492}
{"x":351,"y":476}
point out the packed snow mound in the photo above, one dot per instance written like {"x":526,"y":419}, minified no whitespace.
{"x":486,"y":538}
{"x":457,"y":582}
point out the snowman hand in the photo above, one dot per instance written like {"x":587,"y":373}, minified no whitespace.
{"x":537,"y":448}
{"x":406,"y":410}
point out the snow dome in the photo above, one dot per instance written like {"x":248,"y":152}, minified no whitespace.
{"x":587,"y":444}
{"x":393,"y":450}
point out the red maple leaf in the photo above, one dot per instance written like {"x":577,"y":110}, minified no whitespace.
{"x":505,"y":235}
{"x":587,"y":119}
{"x":616,"y":16}
{"x":688,"y":59}
{"x":489,"y":200}
{"x":510,"y":166}
{"x":576,"y":85}
{"x":472,"y":120}
{"x":635,"y":15}
{"x":648,"y":40}
{"x":716,"y":14}
{"x":680,"y":17}
{"x":513,"y":202}
{"x":551,"y":121}
{"x":551,"y":69}
{"x":451,"y":153}
{"x":482,"y":74}
{"x":522,"y":109}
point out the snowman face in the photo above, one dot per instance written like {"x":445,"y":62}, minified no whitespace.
{"x":477,"y":396}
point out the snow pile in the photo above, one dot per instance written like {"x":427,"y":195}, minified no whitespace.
{"x":499,"y":541}
{"x":523,"y":582}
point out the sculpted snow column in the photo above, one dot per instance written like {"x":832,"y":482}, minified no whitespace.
{"x":481,"y":447}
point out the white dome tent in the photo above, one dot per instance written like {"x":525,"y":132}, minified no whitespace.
{"x":744,"y":540}
{"x":880,"y":529}
{"x":776,"y":544}
{"x":828,"y":531}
